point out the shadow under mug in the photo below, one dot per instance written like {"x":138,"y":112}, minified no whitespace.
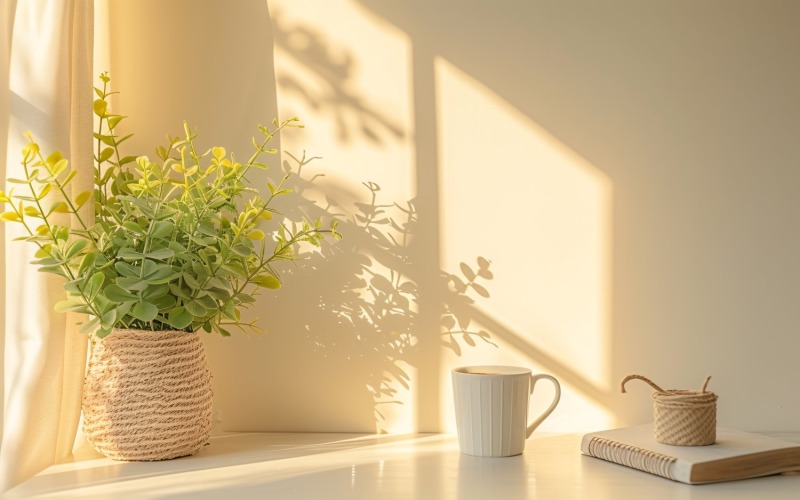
{"x":491,"y":404}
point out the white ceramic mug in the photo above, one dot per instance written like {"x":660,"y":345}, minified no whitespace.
{"x":491,"y":405}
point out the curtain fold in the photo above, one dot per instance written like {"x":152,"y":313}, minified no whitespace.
{"x":49,"y":93}
{"x":6,"y":22}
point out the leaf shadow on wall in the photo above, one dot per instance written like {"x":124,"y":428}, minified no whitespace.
{"x":493,"y":63}
{"x":344,"y":333}
{"x":495,"y":47}
{"x":330,"y":70}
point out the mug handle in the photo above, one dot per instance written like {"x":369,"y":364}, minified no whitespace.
{"x":552,"y":407}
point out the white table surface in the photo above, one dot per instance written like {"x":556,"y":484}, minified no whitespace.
{"x":344,"y":466}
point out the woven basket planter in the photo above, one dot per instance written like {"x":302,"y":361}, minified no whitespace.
{"x":147,"y":395}
{"x":685,"y":418}
{"x":682,"y":417}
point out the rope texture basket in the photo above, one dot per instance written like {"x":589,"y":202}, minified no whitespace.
{"x":147,"y":395}
{"x":683,"y":418}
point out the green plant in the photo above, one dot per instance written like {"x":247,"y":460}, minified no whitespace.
{"x":180,"y":243}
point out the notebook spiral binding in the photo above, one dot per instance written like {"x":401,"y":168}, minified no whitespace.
{"x":631,"y":456}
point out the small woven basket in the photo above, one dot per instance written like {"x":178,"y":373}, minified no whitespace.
{"x":682,"y":417}
{"x":147,"y":395}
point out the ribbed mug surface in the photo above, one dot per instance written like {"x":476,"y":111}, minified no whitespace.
{"x":491,"y":410}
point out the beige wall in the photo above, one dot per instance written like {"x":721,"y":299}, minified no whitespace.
{"x":630,"y":170}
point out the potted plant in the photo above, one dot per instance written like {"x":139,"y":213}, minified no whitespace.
{"x":176,"y":245}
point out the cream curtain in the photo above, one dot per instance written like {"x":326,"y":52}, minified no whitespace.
{"x":47,"y":48}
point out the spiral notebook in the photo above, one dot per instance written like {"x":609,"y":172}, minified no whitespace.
{"x":735,"y":455}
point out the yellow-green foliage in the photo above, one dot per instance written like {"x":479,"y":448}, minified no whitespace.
{"x":176,"y":243}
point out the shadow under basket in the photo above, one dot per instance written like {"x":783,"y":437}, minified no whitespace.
{"x":147,"y":395}
{"x":682,"y":417}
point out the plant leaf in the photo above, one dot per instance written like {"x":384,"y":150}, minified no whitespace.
{"x":93,"y":286}
{"x":126,"y":269}
{"x":60,"y":166}
{"x":32,"y":212}
{"x":105,"y":155}
{"x":59,"y":207}
{"x":241,"y":250}
{"x":160,"y":254}
{"x":132,"y":284}
{"x":195,"y":309}
{"x":162,"y":229}
{"x":87,"y":262}
{"x":235,"y":269}
{"x":192,"y":282}
{"x":154,"y":292}
{"x":113,"y":121}
{"x":180,"y":318}
{"x":128,"y":254}
{"x":144,"y":311}
{"x":73,"y":287}
{"x":244,"y":298}
{"x":82,"y":198}
{"x":75,"y":249}
{"x":116,"y":293}
{"x":164,"y":274}
{"x":103,"y":331}
{"x":256,"y":234}
{"x":45,"y":190}
{"x":178,"y":291}
{"x":71,"y":305}
{"x":133,"y":227}
{"x":208,"y":303}
{"x":229,"y":310}
{"x":267,"y":281}
{"x":109,"y":318}
{"x":100,"y":107}
{"x":89,"y":325}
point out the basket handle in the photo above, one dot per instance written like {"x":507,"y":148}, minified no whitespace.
{"x":642,"y":378}
{"x":654,"y":385}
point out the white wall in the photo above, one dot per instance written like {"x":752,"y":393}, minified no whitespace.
{"x":629,"y":168}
